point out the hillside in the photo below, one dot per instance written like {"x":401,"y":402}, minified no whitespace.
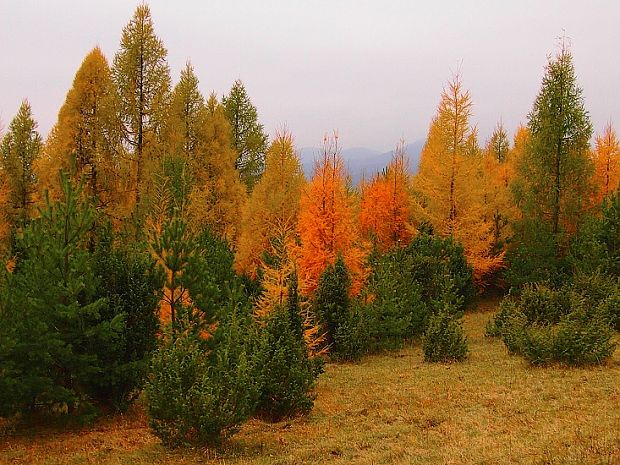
{"x":390,"y":408}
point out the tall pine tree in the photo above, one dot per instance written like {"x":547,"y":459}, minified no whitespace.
{"x":553,"y":179}
{"x":552,"y":187}
{"x":248,"y":136}
{"x":273,"y":204}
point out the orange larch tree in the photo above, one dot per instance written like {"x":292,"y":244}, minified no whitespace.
{"x":386,"y":206}
{"x":327,"y":224}
{"x":606,"y":163}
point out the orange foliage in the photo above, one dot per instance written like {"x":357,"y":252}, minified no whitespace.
{"x":606,"y":163}
{"x":386,"y":208}
{"x":327,"y":225}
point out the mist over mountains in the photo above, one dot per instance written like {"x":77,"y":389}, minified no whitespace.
{"x":362,"y":162}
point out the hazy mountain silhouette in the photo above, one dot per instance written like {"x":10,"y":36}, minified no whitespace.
{"x":361,"y":161}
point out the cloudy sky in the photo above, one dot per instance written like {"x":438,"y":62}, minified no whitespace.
{"x":373,"y":70}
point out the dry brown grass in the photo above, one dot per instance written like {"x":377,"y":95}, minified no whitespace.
{"x":392,"y":408}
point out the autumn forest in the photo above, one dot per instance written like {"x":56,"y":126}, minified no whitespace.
{"x":160,"y":249}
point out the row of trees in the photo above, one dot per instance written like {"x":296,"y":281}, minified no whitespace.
{"x":124,"y":131}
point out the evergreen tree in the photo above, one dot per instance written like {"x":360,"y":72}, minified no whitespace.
{"x":331,"y":300}
{"x":552,"y":187}
{"x":288,"y":373}
{"x":142,"y":78}
{"x":19,"y":150}
{"x":553,"y":178}
{"x":248,"y":136}
{"x":52,"y":305}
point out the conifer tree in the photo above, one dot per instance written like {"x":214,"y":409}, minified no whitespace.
{"x":142,"y":78}
{"x":497,"y":168}
{"x":85,"y":141}
{"x":449,"y":183}
{"x":386,"y":206}
{"x":272,"y":206}
{"x":606,"y":163}
{"x":553,"y":177}
{"x":184,"y":131}
{"x":248,"y":136}
{"x":218,"y":196}
{"x":327,"y":225}
{"x":19,"y":150}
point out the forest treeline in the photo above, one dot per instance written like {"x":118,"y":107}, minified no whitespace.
{"x":159,"y":236}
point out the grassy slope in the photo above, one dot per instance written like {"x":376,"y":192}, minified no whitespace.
{"x":492,"y":409}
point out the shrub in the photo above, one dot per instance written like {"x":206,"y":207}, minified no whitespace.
{"x":542,"y":304}
{"x":495,"y":326}
{"x":407,"y":281}
{"x":396,"y":309}
{"x":196,"y":395}
{"x":444,"y":339}
{"x":609,"y":309}
{"x":582,"y":338}
{"x":331,"y":301}
{"x":433,"y":258}
{"x":352,"y":339}
{"x":581,"y":335}
{"x":288,"y":374}
{"x":131,"y":284}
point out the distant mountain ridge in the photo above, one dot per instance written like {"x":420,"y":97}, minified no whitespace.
{"x":362,"y":162}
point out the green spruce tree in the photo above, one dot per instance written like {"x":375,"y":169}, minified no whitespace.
{"x":552,"y":184}
{"x":248,"y":135}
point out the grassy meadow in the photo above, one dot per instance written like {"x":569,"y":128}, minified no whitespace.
{"x":389,"y":408}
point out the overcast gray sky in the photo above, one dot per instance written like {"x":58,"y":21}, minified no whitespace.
{"x":373,"y":70}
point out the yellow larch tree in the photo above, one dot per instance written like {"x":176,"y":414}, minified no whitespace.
{"x":449,"y":183}
{"x":273,"y":204}
{"x":606,"y":163}
{"x":218,"y":196}
{"x":327,"y":225}
{"x":386,"y":204}
{"x":278,"y":268}
{"x":141,"y":76}
{"x":498,"y":170}
{"x":85,"y":140}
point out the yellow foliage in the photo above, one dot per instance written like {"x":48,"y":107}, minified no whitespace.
{"x":386,"y":205}
{"x":450,"y":182}
{"x":219,"y":195}
{"x":274,"y":203}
